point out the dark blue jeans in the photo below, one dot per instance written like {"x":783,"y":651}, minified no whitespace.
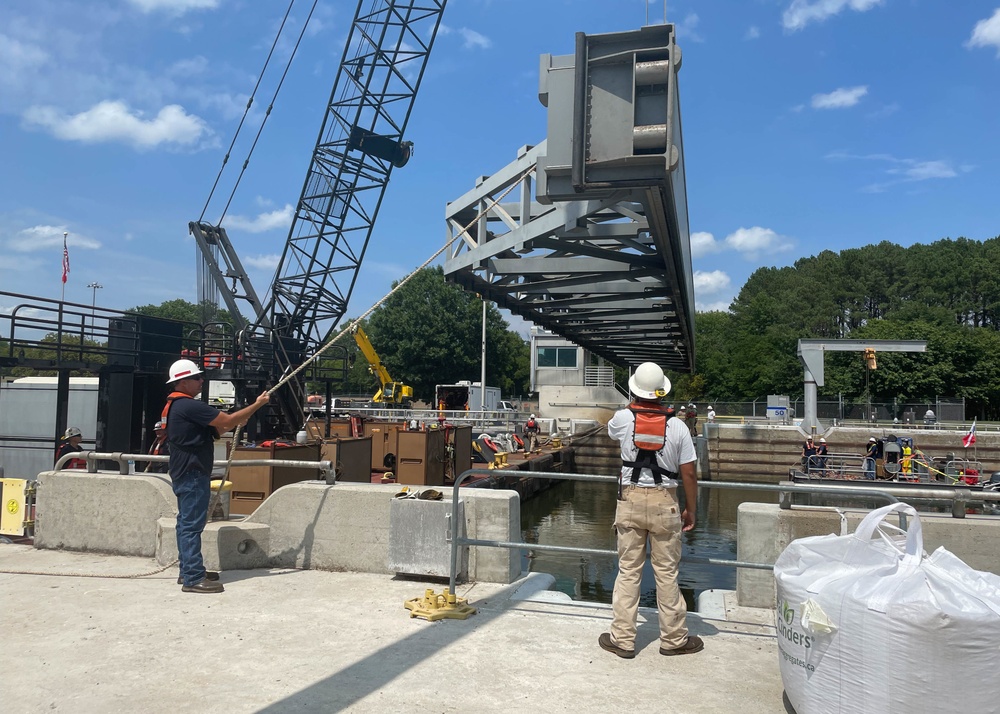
{"x":193,"y":491}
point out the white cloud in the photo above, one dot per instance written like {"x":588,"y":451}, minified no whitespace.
{"x":710,"y":282}
{"x":279,"y":218}
{"x":703,"y":244}
{"x":17,"y":57}
{"x":688,"y":28}
{"x":986,"y":33}
{"x":38,"y":238}
{"x":715,"y":306}
{"x":904,"y":170}
{"x":174,"y":7}
{"x":801,"y":12}
{"x":839,"y":98}
{"x":752,"y":242}
{"x":474,"y":39}
{"x":752,"y":33}
{"x":114,"y":121}
{"x":190,"y":67}
{"x":471,"y":38}
{"x":923,"y":170}
{"x":263,"y":262}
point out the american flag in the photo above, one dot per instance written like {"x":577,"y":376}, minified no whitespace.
{"x":65,"y":260}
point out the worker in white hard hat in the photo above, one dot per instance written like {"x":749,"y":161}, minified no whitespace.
{"x":657,"y":452}
{"x":69,"y":444}
{"x":710,"y":414}
{"x":531,"y":431}
{"x":159,"y":447}
{"x":191,"y":428}
{"x":868,"y":463}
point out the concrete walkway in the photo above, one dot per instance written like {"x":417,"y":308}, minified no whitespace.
{"x":311,"y":641}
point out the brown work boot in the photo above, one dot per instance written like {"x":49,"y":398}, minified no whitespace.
{"x":693,"y":644}
{"x":608,"y":644}
{"x":204,"y":586}
{"x":209,"y":575}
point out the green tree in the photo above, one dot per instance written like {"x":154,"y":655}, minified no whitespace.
{"x":430,"y":332}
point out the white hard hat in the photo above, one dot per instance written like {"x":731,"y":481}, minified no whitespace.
{"x":649,"y":382}
{"x":159,"y":425}
{"x":710,"y":406}
{"x":73,"y":431}
{"x":531,"y":416}
{"x":182,"y":369}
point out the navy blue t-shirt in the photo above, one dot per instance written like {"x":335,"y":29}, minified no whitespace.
{"x":190,"y":436}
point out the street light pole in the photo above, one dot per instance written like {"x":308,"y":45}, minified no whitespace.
{"x":95,"y":286}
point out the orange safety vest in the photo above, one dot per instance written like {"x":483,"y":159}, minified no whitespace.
{"x":170,"y":401}
{"x":649,"y":435}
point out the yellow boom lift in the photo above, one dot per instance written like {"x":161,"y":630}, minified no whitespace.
{"x":391,"y":392}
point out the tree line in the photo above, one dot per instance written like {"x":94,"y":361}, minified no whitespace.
{"x":946,"y":293}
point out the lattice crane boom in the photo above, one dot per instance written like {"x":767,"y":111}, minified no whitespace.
{"x":360,"y":142}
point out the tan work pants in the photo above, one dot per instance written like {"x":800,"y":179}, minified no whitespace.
{"x":648,"y":515}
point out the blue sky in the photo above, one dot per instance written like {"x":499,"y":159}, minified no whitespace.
{"x":808,"y":125}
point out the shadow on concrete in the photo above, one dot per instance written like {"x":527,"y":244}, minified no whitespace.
{"x":350,"y":685}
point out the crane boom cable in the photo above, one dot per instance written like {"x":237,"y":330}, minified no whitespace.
{"x":267,"y":114}
{"x":246,"y":112}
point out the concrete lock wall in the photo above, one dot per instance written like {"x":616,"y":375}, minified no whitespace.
{"x":104,"y":513}
{"x":302,"y":525}
{"x":765,"y":530}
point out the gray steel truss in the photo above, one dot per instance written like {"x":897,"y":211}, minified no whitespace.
{"x":599,"y":253}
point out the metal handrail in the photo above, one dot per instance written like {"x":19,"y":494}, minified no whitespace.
{"x":325,"y":468}
{"x":457,"y":540}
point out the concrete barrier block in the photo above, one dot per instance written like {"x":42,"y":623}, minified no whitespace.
{"x":224,"y":545}
{"x":102,"y":512}
{"x":341,"y":527}
{"x":419,"y":538}
{"x":493,"y":515}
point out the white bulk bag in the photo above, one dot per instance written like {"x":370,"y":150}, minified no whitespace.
{"x":868,"y":623}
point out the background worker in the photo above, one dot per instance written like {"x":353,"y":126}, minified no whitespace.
{"x":655,"y":449}
{"x":808,"y":455}
{"x":821,"y":455}
{"x":192,"y":426}
{"x":691,"y":419}
{"x":70,"y":444}
{"x":158,"y":448}
{"x":531,"y":430}
{"x":869,"y":460}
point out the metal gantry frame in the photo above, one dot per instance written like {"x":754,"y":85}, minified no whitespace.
{"x":594,"y":244}
{"x":592,"y":271}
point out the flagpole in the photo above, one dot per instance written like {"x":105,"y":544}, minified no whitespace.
{"x":65,"y":235}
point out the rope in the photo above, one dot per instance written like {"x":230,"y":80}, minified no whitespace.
{"x":291,"y":375}
{"x":10,"y":571}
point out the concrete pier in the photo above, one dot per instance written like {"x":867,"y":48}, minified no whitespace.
{"x":283,"y":640}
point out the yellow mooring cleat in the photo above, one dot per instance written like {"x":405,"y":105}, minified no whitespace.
{"x":439,"y":607}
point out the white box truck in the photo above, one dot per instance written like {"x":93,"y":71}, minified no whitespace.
{"x":466,"y":396}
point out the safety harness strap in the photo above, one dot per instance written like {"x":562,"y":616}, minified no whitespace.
{"x":649,"y":430}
